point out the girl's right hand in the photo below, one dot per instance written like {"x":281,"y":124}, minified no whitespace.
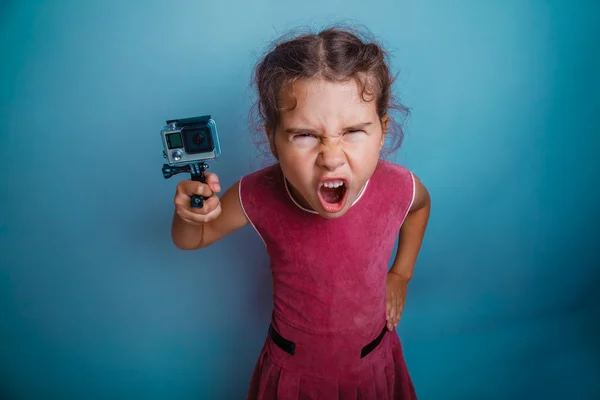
{"x":212,"y":205}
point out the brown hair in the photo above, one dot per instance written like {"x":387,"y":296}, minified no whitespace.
{"x":336,"y":54}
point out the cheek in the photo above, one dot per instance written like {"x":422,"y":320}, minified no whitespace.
{"x":294,"y":164}
{"x":298,"y":167}
{"x":365,"y":150}
{"x":363,"y":159}
{"x":297,"y":154}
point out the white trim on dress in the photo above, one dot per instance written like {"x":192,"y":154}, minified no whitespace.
{"x":246,"y":214}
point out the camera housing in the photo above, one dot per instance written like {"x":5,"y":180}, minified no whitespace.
{"x":190,"y":140}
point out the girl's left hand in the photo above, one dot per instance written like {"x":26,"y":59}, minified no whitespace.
{"x":396,"y":288}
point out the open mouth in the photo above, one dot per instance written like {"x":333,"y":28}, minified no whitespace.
{"x":332,"y":194}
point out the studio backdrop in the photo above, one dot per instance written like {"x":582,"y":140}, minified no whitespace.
{"x":97,"y":303}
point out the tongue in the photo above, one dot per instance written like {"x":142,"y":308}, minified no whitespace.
{"x":332,"y":195}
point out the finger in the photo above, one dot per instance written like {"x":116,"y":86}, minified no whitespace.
{"x":183,"y":203}
{"x":391,"y":298}
{"x":204,"y":190}
{"x":212,"y":180}
{"x":184,"y":200}
{"x":209,"y":205}
{"x":189,"y":188}
{"x":392,"y":312}
{"x":194,"y":218}
{"x":399,"y":309}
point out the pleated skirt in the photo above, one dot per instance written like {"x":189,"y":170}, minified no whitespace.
{"x":331,"y":368}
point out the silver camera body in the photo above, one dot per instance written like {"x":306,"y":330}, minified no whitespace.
{"x":190,"y":140}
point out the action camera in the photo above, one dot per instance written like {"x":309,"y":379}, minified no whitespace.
{"x":187,"y":144}
{"x":190,"y":140}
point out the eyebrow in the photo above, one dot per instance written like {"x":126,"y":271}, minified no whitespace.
{"x":356,"y":127}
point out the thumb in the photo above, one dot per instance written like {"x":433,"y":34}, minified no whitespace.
{"x":212,"y":180}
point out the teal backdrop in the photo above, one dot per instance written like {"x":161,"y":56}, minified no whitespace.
{"x":97,"y":303}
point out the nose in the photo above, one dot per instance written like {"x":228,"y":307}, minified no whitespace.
{"x":331,"y":157}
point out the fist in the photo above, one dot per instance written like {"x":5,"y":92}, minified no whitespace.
{"x":212,"y":205}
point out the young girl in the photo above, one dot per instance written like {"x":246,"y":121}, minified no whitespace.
{"x":329,"y":212}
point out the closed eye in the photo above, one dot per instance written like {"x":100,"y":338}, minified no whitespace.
{"x":354,"y":132}
{"x":354,"y":135}
{"x":304,"y":135}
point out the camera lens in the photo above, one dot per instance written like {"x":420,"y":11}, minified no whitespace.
{"x":197,"y":140}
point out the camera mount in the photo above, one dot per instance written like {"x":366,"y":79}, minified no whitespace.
{"x":196,"y":171}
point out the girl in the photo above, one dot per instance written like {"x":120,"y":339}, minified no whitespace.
{"x":329,"y":212}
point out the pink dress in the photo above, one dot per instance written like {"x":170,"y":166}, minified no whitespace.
{"x":327,"y":338}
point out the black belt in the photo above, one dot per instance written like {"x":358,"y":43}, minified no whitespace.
{"x":290,"y":347}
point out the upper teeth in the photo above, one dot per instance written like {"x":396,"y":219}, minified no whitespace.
{"x":333,"y":184}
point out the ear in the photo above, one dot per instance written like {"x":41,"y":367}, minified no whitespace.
{"x":385,"y":121}
{"x":271,"y":138}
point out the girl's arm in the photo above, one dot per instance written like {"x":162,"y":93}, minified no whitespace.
{"x":409,"y":244}
{"x":412,"y":233}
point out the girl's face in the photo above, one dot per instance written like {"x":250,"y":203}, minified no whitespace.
{"x":328,"y":145}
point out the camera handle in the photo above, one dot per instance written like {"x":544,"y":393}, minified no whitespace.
{"x":196,"y":171}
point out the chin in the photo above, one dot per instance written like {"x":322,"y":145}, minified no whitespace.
{"x":329,"y":215}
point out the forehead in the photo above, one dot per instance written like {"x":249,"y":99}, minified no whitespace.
{"x":319,"y":103}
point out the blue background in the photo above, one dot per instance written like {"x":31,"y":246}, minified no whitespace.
{"x":96,"y":302}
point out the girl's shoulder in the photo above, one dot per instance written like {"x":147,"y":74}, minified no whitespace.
{"x":394,"y":184}
{"x":262,"y":185}
{"x":394,"y":173}
{"x":265,"y":177}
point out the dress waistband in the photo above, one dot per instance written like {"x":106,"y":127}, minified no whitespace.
{"x":324,"y":355}
{"x":290,"y":347}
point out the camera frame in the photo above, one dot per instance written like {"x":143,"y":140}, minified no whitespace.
{"x":177,"y":137}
